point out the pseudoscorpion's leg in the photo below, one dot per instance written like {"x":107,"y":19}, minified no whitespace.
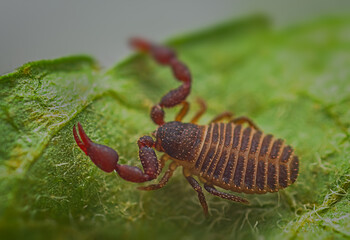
{"x":195,"y":185}
{"x":165,"y":157}
{"x":202,"y":109}
{"x":241,"y":120}
{"x":166,"y":56}
{"x":168,"y":174}
{"x":212,"y":190}
{"x":222,"y":116}
{"x":183,"y":111}
{"x":185,"y":108}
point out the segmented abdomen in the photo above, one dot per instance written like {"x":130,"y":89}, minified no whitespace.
{"x":245,"y":160}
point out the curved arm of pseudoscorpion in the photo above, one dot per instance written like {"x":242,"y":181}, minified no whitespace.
{"x":107,"y":159}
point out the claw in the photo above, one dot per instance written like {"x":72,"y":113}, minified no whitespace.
{"x":80,"y":144}
{"x":140,"y":44}
{"x":86,"y":140}
{"x":104,"y":157}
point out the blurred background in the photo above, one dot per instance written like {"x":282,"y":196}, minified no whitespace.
{"x":45,"y":29}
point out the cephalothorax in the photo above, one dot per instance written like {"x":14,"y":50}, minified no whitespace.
{"x":223,"y":154}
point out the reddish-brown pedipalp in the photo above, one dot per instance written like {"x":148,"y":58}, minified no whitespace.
{"x":223,"y":154}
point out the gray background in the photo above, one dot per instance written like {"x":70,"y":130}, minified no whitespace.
{"x":44,"y":29}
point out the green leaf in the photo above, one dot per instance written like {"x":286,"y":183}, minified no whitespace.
{"x":294,"y":83}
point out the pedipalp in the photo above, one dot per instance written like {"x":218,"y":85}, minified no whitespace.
{"x":166,"y":56}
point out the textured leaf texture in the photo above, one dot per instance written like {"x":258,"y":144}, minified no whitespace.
{"x":294,"y":83}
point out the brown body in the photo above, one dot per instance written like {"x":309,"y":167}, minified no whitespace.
{"x":230,"y":156}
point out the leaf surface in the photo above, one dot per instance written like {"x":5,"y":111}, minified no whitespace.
{"x":294,"y":83}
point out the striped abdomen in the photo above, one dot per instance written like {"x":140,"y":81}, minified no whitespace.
{"x":245,"y":160}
